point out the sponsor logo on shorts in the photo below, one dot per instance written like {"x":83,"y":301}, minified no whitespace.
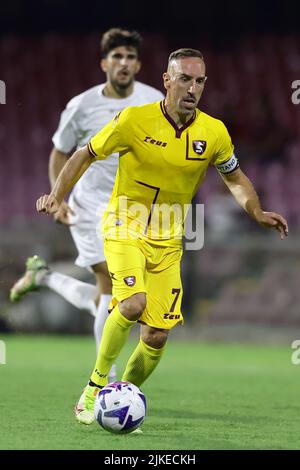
{"x":130,"y":281}
{"x":199,"y":146}
{"x":171,"y":316}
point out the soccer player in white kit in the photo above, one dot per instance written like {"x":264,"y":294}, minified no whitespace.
{"x":82,"y":118}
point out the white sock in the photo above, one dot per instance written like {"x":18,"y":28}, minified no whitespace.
{"x":78,"y":293}
{"x":102,"y":314}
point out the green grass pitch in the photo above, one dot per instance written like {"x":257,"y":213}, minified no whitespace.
{"x":202,"y":396}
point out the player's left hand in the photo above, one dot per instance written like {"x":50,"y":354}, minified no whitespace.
{"x":274,"y":220}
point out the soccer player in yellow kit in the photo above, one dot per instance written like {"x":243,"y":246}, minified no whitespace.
{"x":164,"y":151}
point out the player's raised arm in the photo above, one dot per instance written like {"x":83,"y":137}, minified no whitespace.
{"x":242,"y":189}
{"x":69,"y":175}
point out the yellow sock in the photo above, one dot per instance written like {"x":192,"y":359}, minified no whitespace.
{"x":114,"y":336}
{"x":142,"y":363}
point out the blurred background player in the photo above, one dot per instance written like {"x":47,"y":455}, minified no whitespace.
{"x":144,"y":260}
{"x":84,"y":115}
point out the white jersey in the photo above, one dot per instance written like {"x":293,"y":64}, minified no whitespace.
{"x":82,"y":118}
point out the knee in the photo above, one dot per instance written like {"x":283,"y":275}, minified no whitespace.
{"x":133,"y":307}
{"x":154,"y":338}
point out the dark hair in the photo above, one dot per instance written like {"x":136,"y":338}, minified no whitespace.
{"x":185,"y":52}
{"x":116,"y":37}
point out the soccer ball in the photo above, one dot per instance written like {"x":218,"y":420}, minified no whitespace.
{"x":120,"y":407}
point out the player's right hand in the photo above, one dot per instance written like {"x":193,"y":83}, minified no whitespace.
{"x":62,"y":216}
{"x":47,"y":204}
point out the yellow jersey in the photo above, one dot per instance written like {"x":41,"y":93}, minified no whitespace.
{"x":161,"y":167}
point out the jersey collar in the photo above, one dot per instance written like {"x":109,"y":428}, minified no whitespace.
{"x":178,"y":130}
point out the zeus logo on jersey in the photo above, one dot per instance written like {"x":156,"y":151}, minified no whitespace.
{"x":149,"y":140}
{"x":229,"y":166}
{"x":199,"y":146}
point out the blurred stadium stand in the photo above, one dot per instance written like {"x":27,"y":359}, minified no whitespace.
{"x":256,"y":278}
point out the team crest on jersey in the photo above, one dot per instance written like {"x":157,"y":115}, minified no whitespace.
{"x":199,"y":146}
{"x":130,"y":281}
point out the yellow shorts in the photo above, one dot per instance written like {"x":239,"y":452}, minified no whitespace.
{"x":139,"y":266}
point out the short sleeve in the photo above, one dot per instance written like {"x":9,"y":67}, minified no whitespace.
{"x":65,"y":137}
{"x":224,"y":159}
{"x":116,"y":136}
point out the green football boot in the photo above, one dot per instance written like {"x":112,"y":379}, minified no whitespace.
{"x":84,"y":410}
{"x":36,"y":268}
